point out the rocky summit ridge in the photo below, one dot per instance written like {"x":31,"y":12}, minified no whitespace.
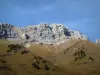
{"x":41,"y":33}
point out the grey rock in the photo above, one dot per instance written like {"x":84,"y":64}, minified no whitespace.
{"x":41,"y":33}
{"x":97,"y":41}
{"x":54,"y":33}
{"x":8,"y":31}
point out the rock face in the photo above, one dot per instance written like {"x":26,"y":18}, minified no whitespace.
{"x":97,"y":41}
{"x":77,"y":35}
{"x":8,"y":31}
{"x":42,"y":33}
{"x":54,"y":33}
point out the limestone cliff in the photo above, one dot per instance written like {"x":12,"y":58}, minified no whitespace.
{"x":41,"y":33}
{"x":54,"y":33}
{"x":8,"y":31}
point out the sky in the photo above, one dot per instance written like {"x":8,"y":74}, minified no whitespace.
{"x":81,"y":15}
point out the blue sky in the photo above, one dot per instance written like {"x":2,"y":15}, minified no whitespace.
{"x":82,"y":15}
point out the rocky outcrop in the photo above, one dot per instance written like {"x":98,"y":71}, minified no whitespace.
{"x":47,"y":34}
{"x":77,"y":35}
{"x":54,"y":33}
{"x":42,"y":33}
{"x":8,"y":31}
{"x":97,"y":41}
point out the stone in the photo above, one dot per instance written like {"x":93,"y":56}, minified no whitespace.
{"x":97,"y":41}
{"x":27,"y":45}
{"x":41,"y":33}
{"x":9,"y":31}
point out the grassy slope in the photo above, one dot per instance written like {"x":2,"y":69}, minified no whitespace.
{"x":68,"y":64}
{"x":4,"y":69}
{"x":19,"y":64}
{"x":66,"y":61}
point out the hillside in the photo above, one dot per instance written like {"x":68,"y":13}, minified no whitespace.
{"x":76,"y":57}
{"x":47,"y":50}
{"x":20,"y":63}
{"x":66,"y":59}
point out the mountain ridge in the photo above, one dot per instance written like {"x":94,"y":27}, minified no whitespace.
{"x":40,"y":33}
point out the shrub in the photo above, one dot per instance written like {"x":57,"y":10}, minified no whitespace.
{"x":14,"y":47}
{"x":47,"y":67}
{"x":44,"y":61}
{"x":36,"y":65}
{"x":90,"y":58}
{"x":25,"y":51}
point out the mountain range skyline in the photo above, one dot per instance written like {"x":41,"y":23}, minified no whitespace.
{"x":81,"y":15}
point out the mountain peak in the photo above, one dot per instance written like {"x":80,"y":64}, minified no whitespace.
{"x":41,"y":33}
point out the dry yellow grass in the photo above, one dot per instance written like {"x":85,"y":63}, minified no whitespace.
{"x":66,"y":61}
{"x":21,"y":64}
{"x":60,"y":59}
